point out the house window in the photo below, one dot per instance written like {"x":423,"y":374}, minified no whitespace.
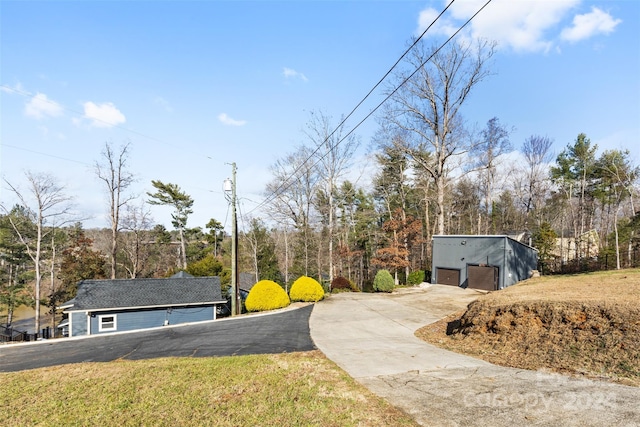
{"x":107,"y":323}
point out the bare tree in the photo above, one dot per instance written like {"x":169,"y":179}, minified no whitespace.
{"x":49,"y":205}
{"x":113,"y":172}
{"x":281,"y":241}
{"x":137,"y":223}
{"x":426,"y":107}
{"x":616,"y":175}
{"x":536,"y":151}
{"x":537,"y":155}
{"x":493,"y":143}
{"x":334,"y":151}
{"x":292,"y":189}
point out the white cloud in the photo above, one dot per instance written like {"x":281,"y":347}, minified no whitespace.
{"x":520,"y":25}
{"x":590,"y":24}
{"x":290,"y":73}
{"x":443,"y":26}
{"x":224,"y":118}
{"x":40,"y":106}
{"x":103,"y":115}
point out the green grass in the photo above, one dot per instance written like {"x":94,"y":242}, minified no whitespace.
{"x":295,"y":389}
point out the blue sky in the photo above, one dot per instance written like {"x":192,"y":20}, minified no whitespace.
{"x":196,"y":85}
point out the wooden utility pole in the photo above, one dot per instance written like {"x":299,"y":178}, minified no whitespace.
{"x":230,"y":186}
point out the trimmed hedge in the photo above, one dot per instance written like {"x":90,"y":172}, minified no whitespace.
{"x":306,"y":289}
{"x":416,"y":277}
{"x":383,"y":282}
{"x":266,"y":295}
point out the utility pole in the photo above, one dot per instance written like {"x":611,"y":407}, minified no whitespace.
{"x":230,"y":186}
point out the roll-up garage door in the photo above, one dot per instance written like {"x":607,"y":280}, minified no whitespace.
{"x":483,"y":277}
{"x":447,"y":276}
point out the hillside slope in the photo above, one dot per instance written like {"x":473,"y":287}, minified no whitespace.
{"x":586,"y":324}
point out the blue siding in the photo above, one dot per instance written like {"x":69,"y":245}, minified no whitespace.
{"x":78,"y":324}
{"x":152,"y":318}
{"x":132,"y":320}
{"x":191,"y":314}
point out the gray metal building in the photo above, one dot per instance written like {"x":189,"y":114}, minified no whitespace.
{"x":481,"y":262}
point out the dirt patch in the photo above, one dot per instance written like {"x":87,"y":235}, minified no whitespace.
{"x":582,"y":324}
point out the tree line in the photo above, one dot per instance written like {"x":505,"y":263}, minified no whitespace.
{"x":433,"y":174}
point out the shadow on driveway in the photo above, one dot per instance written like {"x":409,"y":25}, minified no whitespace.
{"x":283,"y":332}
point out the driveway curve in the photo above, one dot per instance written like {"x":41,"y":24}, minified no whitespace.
{"x":371,"y":337}
{"x":278,"y":332}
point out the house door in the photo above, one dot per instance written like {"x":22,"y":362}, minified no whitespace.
{"x":448,"y":276}
{"x":483,"y":277}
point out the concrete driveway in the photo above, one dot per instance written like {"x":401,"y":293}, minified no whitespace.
{"x":371,"y":337}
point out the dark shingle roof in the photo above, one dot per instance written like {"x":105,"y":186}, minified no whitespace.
{"x":121,"y":293}
{"x":246,"y":281}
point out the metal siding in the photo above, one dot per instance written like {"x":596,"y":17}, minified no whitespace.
{"x":514,"y":260}
{"x":522,"y":259}
{"x":449,"y":252}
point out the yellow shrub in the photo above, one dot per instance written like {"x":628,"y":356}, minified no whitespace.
{"x":306,"y":289}
{"x":266,"y":295}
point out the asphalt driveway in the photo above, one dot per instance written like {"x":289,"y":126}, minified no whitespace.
{"x":371,"y":337}
{"x":280,"y":332}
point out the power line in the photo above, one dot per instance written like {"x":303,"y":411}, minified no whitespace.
{"x":45,"y":154}
{"x":285,"y":182}
{"x":313,"y":153}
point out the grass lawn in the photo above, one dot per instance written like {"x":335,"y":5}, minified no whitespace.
{"x":294,"y":389}
{"x":585,"y":324}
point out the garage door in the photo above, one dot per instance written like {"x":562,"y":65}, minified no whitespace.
{"x":483,"y":277}
{"x":447,"y":276}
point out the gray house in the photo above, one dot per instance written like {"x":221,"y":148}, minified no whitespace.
{"x":103,"y":306}
{"x":245,"y":284}
{"x":481,"y":262}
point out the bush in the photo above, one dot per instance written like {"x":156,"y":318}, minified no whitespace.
{"x":306,"y":289}
{"x":207,"y":266}
{"x":340,"y":283}
{"x":266,"y":295}
{"x":383,"y":282}
{"x":415,"y":277}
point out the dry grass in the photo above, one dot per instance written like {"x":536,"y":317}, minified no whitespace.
{"x":295,"y":389}
{"x":586,"y":324}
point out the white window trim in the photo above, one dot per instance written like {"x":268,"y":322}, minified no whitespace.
{"x":115,"y":323}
